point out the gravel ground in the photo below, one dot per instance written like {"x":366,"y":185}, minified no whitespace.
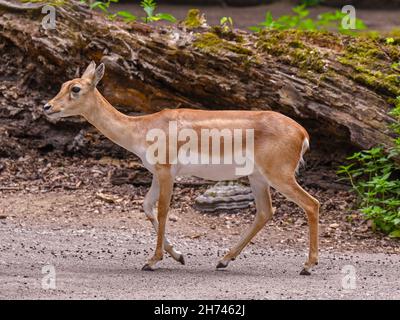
{"x":105,"y":264}
{"x":97,"y":249}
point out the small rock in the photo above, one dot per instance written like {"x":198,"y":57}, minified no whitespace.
{"x":225,"y":195}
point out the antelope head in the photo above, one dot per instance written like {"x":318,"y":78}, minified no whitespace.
{"x":75,"y":95}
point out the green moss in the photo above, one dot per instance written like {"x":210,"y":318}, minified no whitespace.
{"x":394,"y":34}
{"x":365,"y":49}
{"x":370,"y":59}
{"x":210,"y":42}
{"x":296,"y":44}
{"x":54,"y":3}
{"x":271,"y":43}
{"x":308,"y":59}
{"x":227,"y":34}
{"x":376,"y":83}
{"x":290,"y":47}
{"x":194,"y":19}
{"x":394,"y":52}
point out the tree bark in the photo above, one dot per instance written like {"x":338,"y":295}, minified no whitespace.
{"x":323,"y":80}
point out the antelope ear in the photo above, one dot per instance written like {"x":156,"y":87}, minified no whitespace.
{"x":89,"y":72}
{"x":98,"y":74}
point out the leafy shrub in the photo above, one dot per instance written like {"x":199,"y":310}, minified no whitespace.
{"x":149,"y":7}
{"x":310,"y":3}
{"x":103,"y":6}
{"x":301,"y":20}
{"x":375,"y":177}
{"x":226,"y":23}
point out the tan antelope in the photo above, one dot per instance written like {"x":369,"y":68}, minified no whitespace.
{"x":278,"y":146}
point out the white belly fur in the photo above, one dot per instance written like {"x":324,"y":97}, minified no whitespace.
{"x":214,"y":172}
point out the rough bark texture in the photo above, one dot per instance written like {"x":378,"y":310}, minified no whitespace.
{"x":338,"y":87}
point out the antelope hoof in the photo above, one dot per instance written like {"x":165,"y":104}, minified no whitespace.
{"x":181,"y":259}
{"x":222,"y":265}
{"x":305,"y":272}
{"x":147,"y":267}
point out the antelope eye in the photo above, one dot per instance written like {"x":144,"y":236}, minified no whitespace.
{"x":76,"y":89}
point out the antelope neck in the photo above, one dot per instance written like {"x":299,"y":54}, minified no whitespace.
{"x":124,"y":130}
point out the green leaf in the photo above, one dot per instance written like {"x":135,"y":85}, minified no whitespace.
{"x":301,"y":11}
{"x":165,"y":16}
{"x":96,"y":4}
{"x":360,"y":25}
{"x":395,"y":234}
{"x":255,"y":28}
{"x":127,"y":16}
{"x":389,"y":40}
{"x":269,"y":20}
{"x":148,"y":6}
{"x":149,"y":11}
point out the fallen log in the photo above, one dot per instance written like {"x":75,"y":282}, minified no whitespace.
{"x":339,"y":87}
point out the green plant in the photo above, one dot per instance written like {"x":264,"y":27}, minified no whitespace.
{"x":226,"y":24}
{"x":103,"y":6}
{"x":301,"y":20}
{"x":333,"y":20}
{"x":390,"y":40}
{"x":126,"y":16}
{"x":375,"y":177}
{"x":310,"y":3}
{"x":149,"y":6}
{"x":395,"y":127}
{"x":297,"y":21}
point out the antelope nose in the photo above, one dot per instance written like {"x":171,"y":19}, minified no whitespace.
{"x":47,"y":107}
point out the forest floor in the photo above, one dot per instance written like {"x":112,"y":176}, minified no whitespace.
{"x":66,"y":212}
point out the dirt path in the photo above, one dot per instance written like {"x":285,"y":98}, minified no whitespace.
{"x":98,"y":254}
{"x":105,"y":264}
{"x":65,"y":213}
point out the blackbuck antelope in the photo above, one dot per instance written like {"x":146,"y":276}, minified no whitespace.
{"x":277,"y":146}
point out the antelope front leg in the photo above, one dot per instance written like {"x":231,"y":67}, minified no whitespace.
{"x":166,"y":185}
{"x":148,"y":206}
